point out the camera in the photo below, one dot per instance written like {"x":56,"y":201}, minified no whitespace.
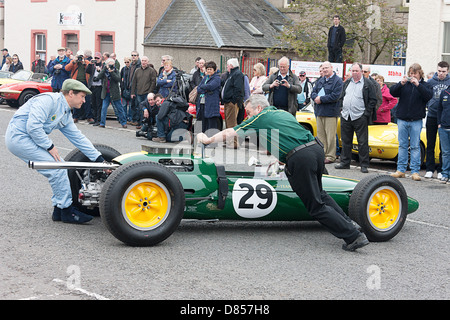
{"x":148,"y":130}
{"x":111,"y":67}
{"x":57,"y":71}
{"x":80,"y":58}
{"x":408,"y":79}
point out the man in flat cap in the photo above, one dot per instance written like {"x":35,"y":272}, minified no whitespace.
{"x":27,"y":138}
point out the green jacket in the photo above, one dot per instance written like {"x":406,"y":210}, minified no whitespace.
{"x":114,"y":82}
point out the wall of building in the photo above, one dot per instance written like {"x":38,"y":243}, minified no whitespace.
{"x":425,"y":33}
{"x":123,"y":19}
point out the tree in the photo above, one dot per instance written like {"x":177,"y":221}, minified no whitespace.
{"x":369,"y":25}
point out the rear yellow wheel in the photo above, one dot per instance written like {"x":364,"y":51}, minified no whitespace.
{"x":384,"y":208}
{"x":146,"y":204}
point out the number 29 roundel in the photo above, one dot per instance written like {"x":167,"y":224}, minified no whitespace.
{"x":253,"y":198}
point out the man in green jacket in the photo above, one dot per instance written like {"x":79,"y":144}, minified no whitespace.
{"x":295,"y":146}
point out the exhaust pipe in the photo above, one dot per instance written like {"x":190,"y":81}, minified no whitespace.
{"x":42,"y":165}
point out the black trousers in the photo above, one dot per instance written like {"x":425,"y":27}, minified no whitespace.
{"x":335,"y":55}
{"x":304,"y":172}
{"x":432,"y":130}
{"x":96,"y":102}
{"x":360,"y":127}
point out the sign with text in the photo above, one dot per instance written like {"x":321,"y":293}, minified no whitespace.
{"x":312,"y":68}
{"x":70,"y":19}
{"x":392,"y":74}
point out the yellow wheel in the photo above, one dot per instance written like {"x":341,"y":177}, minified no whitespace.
{"x":146,"y":204}
{"x":384,"y":208}
{"x":142,"y":203}
{"x":379,"y":204}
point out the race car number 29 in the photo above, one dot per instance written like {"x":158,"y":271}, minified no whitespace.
{"x":253,"y":198}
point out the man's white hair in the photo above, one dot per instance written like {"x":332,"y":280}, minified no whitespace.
{"x":257,"y":100}
{"x":233,"y":62}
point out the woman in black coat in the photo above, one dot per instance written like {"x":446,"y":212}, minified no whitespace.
{"x":208,"y":98}
{"x":16,"y":65}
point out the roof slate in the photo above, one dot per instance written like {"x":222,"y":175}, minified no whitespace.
{"x":213,"y":23}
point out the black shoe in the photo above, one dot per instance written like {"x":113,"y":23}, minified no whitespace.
{"x":96,"y":124}
{"x":56,"y":215}
{"x":73,"y":215}
{"x":341,"y":166}
{"x":364,"y":170}
{"x":360,"y":242}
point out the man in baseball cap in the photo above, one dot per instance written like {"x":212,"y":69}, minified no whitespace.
{"x":27,"y":137}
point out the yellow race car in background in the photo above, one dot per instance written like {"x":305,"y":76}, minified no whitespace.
{"x":383,"y":139}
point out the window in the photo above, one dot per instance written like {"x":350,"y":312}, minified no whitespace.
{"x":250,"y":28}
{"x":38,"y":44}
{"x":105,"y":41}
{"x":446,"y":46}
{"x":406,"y":3}
{"x":41,"y":45}
{"x":72,"y":42}
{"x":106,"y":44}
{"x":399,"y":55}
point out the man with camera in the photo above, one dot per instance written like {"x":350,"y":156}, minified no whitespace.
{"x":110,"y":77}
{"x":56,"y":70}
{"x":81,"y":69}
{"x":149,"y":109}
{"x":413,"y":93}
{"x":283,"y":88}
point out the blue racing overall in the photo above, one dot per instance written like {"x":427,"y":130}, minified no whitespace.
{"x":27,"y":138}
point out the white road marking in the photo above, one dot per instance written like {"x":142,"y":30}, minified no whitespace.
{"x":90,"y":294}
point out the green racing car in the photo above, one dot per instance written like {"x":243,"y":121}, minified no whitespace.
{"x":143,"y":196}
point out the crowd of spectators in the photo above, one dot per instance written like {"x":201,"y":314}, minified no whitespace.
{"x":137,"y":91}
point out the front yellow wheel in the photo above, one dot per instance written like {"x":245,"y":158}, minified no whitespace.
{"x":384,"y":208}
{"x":379,"y":204}
{"x":146,"y":204}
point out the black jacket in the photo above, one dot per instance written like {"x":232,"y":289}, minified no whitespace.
{"x":233,"y":90}
{"x":412,"y":99}
{"x":340,"y":37}
{"x":370,"y":99}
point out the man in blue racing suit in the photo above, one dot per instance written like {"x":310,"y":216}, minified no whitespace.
{"x":27,"y":138}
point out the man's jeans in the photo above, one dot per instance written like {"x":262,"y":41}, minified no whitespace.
{"x":409,"y":136}
{"x":119,"y":108}
{"x":444,"y":137}
{"x":172,"y":135}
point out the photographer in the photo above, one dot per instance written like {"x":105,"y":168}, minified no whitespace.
{"x":283,"y":88}
{"x":56,"y":70}
{"x":149,"y":109}
{"x":413,"y":93}
{"x":110,"y":77}
{"x":81,"y":69}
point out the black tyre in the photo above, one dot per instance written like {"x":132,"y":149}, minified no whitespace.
{"x":379,"y":204}
{"x":75,"y":184}
{"x":26,"y":95}
{"x":142,"y":203}
{"x":12,"y":103}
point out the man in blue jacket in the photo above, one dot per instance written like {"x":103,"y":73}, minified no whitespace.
{"x":27,"y":138}
{"x":438,"y":83}
{"x":414,"y":93}
{"x":325,"y":95}
{"x":57,"y":70}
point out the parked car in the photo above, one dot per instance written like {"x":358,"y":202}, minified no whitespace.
{"x":17,"y":93}
{"x":383,"y":139}
{"x":22,"y":75}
